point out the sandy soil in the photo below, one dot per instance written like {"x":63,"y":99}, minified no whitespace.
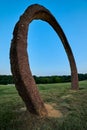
{"x":52,"y":112}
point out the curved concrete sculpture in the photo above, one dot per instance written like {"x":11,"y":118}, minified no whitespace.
{"x":24,"y":81}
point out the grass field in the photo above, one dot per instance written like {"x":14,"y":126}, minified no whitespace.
{"x":72,"y":105}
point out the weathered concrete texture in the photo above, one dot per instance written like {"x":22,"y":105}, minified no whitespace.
{"x":20,"y":68}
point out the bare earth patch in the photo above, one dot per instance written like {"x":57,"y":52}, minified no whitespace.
{"x":52,"y":112}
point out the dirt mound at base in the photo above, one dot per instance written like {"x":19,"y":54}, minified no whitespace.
{"x":52,"y":112}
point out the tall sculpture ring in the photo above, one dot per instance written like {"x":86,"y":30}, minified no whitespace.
{"x":20,"y":68}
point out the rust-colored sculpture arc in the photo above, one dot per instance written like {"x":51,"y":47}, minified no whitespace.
{"x":20,"y":68}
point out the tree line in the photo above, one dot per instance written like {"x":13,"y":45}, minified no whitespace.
{"x":58,"y":79}
{"x":8,"y":79}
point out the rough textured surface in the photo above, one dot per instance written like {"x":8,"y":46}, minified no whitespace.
{"x":52,"y":112}
{"x":24,"y":81}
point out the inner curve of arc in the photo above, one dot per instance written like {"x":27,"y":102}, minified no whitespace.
{"x":35,"y":12}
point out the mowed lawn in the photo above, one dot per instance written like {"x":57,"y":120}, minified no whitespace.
{"x":71,"y":104}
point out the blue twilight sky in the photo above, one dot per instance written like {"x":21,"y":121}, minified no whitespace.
{"x":46,"y":53}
